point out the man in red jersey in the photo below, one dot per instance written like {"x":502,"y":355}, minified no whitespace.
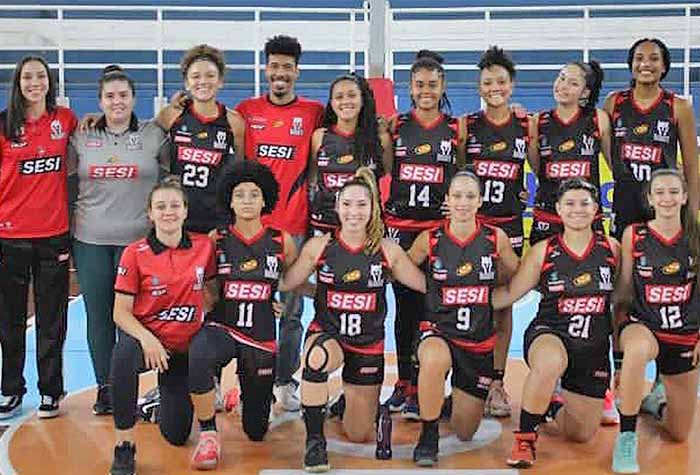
{"x":278,"y":129}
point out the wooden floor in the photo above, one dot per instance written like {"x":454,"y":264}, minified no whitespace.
{"x":80,"y":443}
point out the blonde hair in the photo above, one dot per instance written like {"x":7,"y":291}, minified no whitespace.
{"x":170,"y":182}
{"x":364,"y":177}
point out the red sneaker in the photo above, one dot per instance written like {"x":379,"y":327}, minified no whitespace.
{"x":610,"y":416}
{"x":522,"y":454}
{"x":232,"y":399}
{"x":207,"y":454}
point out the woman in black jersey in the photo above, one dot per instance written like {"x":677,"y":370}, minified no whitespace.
{"x":351,"y":136}
{"x":567,"y":142}
{"x":465,"y":259}
{"x":649,"y":124}
{"x":570,"y":336}
{"x":353,"y":267}
{"x":658,"y":286}
{"x":250,"y":259}
{"x":428,"y":145}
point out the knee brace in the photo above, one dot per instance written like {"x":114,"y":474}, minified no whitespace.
{"x":317,"y":375}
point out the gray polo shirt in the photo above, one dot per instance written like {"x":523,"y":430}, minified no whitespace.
{"x":116,"y":172}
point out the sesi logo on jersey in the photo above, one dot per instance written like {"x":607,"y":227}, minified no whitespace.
{"x":635,"y":152}
{"x":352,"y":301}
{"x":493,"y":169}
{"x":199,"y":156}
{"x":247,"y":290}
{"x":421,"y":173}
{"x":335,"y":180}
{"x":37,"y":166}
{"x":124,"y":172}
{"x":591,"y":304}
{"x":182,"y":314}
{"x":466,"y":295}
{"x":568,"y":169}
{"x":662,"y":294}
{"x":284,"y":152}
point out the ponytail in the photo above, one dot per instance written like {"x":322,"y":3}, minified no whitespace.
{"x":594,"y":75}
{"x":364,"y":177}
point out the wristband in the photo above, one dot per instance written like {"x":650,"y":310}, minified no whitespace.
{"x":617,"y":360}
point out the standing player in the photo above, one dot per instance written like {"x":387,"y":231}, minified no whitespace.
{"x":350,"y":137}
{"x":497,"y":147}
{"x":659,"y":282}
{"x":567,"y":142}
{"x":348,"y":329}
{"x":278,"y":129}
{"x":159,"y":305}
{"x":428,"y":144}
{"x":649,"y":124}
{"x":570,"y":336}
{"x":34,"y":240}
{"x":251,"y":259}
{"x":466,"y":258}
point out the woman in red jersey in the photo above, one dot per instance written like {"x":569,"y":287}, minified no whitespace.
{"x":466,"y":259}
{"x":428,"y":144}
{"x":353,"y":267}
{"x":34,"y":241}
{"x":161,"y":296}
{"x":659,"y":286}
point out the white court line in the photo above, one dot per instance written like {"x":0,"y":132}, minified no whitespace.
{"x":413,"y":471}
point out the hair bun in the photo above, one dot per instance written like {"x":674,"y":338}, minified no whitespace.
{"x":112,"y":68}
{"x":430,"y":54}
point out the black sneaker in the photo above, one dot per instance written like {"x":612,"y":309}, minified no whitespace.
{"x":149,"y":406}
{"x":336,"y":408}
{"x":124,"y":462}
{"x":316,"y":456}
{"x":384,"y":425}
{"x":426,"y":452}
{"x":49,"y":407}
{"x":103,"y":403}
{"x":10,"y":406}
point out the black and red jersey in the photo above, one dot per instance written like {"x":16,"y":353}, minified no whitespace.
{"x":576,"y":291}
{"x":424,"y":163}
{"x":335,"y":165}
{"x":33,"y":176}
{"x":644,"y":140}
{"x":201,"y":149}
{"x":461,"y":277}
{"x":280,"y":137}
{"x":568,"y":149}
{"x":350,"y":300}
{"x":249,"y":271}
{"x":496,"y":153}
{"x":168,"y":285}
{"x":665,"y":284}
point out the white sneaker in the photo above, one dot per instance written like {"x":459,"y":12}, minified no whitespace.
{"x":286,"y":395}
{"x":218,"y":397}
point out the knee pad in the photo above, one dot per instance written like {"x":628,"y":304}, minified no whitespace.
{"x":318,"y":375}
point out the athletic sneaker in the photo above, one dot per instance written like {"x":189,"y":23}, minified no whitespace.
{"x":124,"y":462}
{"x":555,"y":404}
{"x":411,"y":410}
{"x":522,"y":455}
{"x":336,"y":407}
{"x":103,"y":402}
{"x":232,"y":399}
{"x":498,"y":402}
{"x":148,"y":407}
{"x":207,"y":453}
{"x":398,"y":398}
{"x":384,"y":426}
{"x":316,"y":456}
{"x":610,"y":415}
{"x":286,"y":395}
{"x":654,"y":402}
{"x":426,"y":452}
{"x":10,"y":406}
{"x":219,"y":404}
{"x":49,"y":407}
{"x":625,"y":453}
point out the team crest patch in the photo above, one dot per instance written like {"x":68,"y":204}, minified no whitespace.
{"x":487,"y":271}
{"x":587,"y":145}
{"x":297,"y":127}
{"x":439,"y":271}
{"x":520,"y":148}
{"x":555,"y":284}
{"x":57,"y":132}
{"x":271,"y":267}
{"x":220,"y":141}
{"x":376,"y":279}
{"x":662,"y":130}
{"x":325,"y":274}
{"x":605,"y":278}
{"x":198,"y":278}
{"x":445,"y":152}
{"x":134,"y":142}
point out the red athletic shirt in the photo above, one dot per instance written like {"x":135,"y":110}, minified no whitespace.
{"x":280,"y":137}
{"x":33,"y":177}
{"x":168,"y":285}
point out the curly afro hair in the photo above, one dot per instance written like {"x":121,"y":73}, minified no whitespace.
{"x":249,"y":171}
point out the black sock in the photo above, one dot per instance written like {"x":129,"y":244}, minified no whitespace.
{"x":314,"y":417}
{"x":431,"y":426}
{"x":207,"y":425}
{"x":529,"y":422}
{"x":628,"y":423}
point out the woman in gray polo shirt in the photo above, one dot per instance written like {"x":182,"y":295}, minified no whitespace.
{"x":117,"y":164}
